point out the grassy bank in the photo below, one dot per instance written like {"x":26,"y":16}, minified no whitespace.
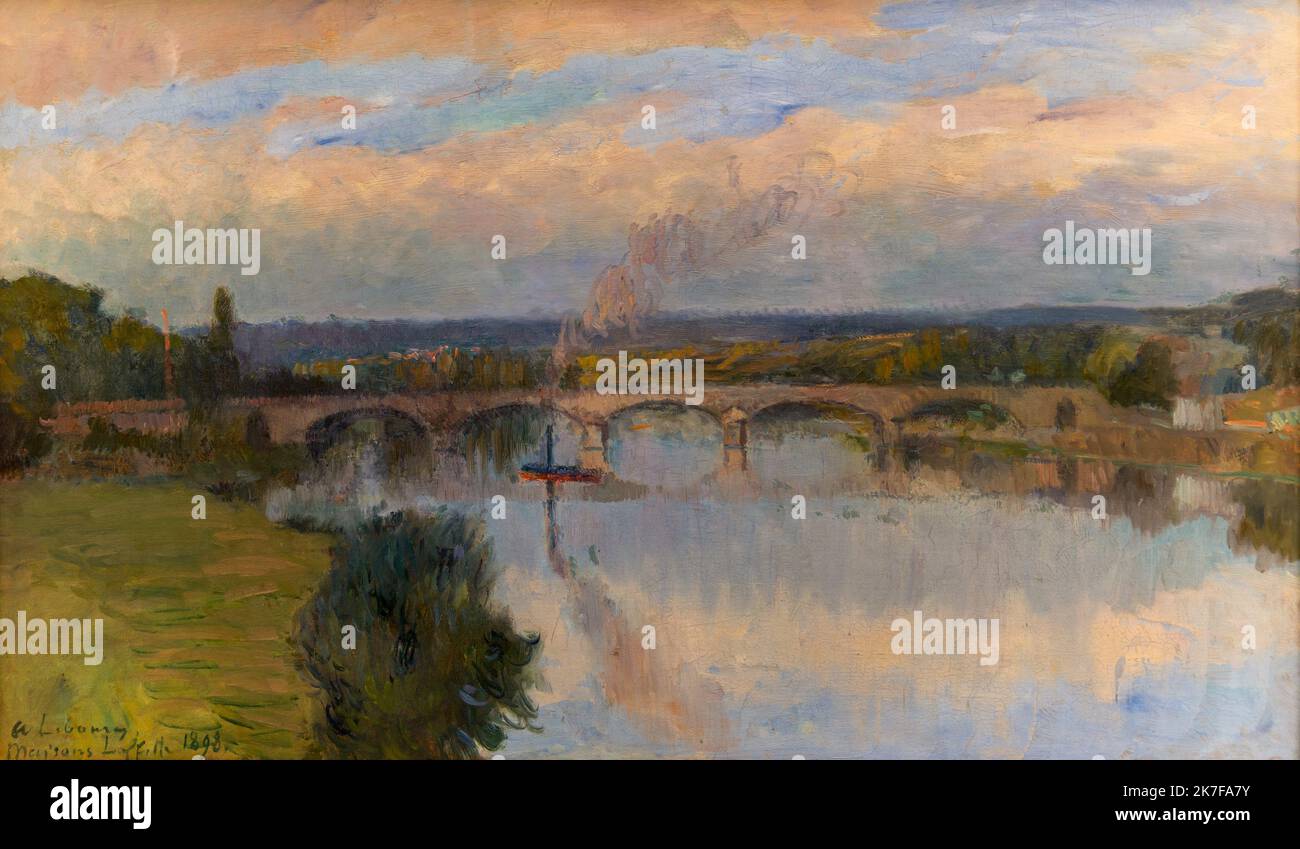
{"x":196,"y":614}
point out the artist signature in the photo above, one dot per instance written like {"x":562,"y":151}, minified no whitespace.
{"x":72,"y":739}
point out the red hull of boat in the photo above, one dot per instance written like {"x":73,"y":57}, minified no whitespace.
{"x":577,"y":476}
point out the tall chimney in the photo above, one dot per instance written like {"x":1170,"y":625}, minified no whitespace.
{"x":167,"y":357}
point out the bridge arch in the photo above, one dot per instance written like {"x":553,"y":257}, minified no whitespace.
{"x":668,"y":405}
{"x":962,"y":411}
{"x":840,"y":410}
{"x":660,"y":441}
{"x":490,"y":414}
{"x":499,"y":438}
{"x":663,"y":404}
{"x":325,"y":432}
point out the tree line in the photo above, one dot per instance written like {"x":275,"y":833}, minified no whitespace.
{"x":95,"y":356}
{"x":58,"y":344}
{"x":46,"y":323}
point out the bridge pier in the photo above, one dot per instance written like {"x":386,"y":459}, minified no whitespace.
{"x":735,"y":458}
{"x":735,"y":440}
{"x":735,"y":428}
{"x":591,"y":448}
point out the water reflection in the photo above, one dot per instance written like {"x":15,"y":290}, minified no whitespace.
{"x":1121,"y":633}
{"x":494,"y":443}
{"x":664,"y":445}
{"x":798,"y":446}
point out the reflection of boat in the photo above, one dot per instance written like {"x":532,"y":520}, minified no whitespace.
{"x":549,"y":471}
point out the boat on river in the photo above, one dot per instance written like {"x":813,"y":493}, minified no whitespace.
{"x":550,"y":471}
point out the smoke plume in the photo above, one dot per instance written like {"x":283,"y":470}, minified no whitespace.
{"x":681,"y":246}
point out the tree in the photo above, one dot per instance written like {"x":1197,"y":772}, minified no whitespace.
{"x":207,"y":369}
{"x":436,"y":671}
{"x":45,"y":322}
{"x":1274,"y":342}
{"x":221,"y":343}
{"x":1148,"y":380}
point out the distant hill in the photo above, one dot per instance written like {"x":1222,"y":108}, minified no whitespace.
{"x":1247,"y":305}
{"x":286,"y":342}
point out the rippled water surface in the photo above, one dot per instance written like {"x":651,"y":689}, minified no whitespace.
{"x":1123,"y":636}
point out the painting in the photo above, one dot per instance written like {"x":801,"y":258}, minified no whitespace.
{"x":696,"y":379}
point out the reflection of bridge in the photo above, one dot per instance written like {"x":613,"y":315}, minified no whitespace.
{"x":316,"y":420}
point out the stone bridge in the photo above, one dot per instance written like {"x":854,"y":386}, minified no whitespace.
{"x":311,"y":419}
{"x":317,"y":420}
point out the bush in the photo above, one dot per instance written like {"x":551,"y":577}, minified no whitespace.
{"x":234,"y":456}
{"x":436,"y":671}
{"x":1147,"y":381}
{"x":957,"y":412}
{"x":105,"y":438}
{"x":22,"y":439}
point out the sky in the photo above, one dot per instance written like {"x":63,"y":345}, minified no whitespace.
{"x":526,"y":120}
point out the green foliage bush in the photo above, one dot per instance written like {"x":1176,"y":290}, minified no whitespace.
{"x":1146,"y":381}
{"x":963,"y":412}
{"x":97,"y":357}
{"x":437,"y":670}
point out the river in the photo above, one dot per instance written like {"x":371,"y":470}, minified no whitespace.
{"x":1166,"y":627}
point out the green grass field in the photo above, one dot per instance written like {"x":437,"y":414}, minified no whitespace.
{"x":197,"y":617}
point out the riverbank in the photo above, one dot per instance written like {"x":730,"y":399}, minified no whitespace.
{"x":1223,"y":453}
{"x":197,"y":617}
